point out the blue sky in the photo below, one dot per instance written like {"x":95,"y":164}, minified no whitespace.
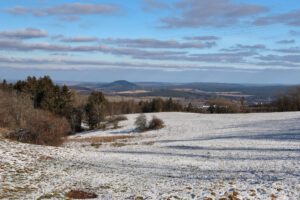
{"x":234,"y":41}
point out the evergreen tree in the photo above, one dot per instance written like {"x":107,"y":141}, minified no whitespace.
{"x":95,"y":109}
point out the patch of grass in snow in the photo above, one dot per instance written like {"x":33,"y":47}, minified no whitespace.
{"x":45,"y":158}
{"x":118,"y":144}
{"x":96,"y":145}
{"x":148,"y":143}
{"x":173,"y":197}
{"x":233,"y":196}
{"x":139,"y":198}
{"x":102,"y":139}
{"x":105,"y":187}
{"x":252,"y":193}
{"x":273,"y":197}
{"x":50,"y":196}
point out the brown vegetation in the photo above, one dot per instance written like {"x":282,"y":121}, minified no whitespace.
{"x":30,"y":125}
{"x":142,"y":124}
{"x":41,"y":128}
{"x":117,"y":118}
{"x":78,"y":194}
{"x":156,"y":123}
{"x":3,"y":131}
{"x":101,"y":139}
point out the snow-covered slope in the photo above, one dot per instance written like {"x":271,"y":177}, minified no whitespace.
{"x":196,"y":156}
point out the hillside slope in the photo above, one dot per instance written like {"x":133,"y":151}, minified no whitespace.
{"x":255,"y":156}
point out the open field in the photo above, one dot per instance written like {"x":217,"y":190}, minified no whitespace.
{"x":196,"y":156}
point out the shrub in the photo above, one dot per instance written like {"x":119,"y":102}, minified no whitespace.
{"x":141,"y":123}
{"x":47,"y":129}
{"x":14,"y":109}
{"x":30,"y":125}
{"x":156,"y":123}
{"x":42,"y":128}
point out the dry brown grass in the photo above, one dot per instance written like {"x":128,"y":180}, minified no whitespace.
{"x":77,"y":194}
{"x":273,"y":197}
{"x":252,"y":193}
{"x":45,"y":158}
{"x":118,"y":144}
{"x":148,"y":143}
{"x":233,"y":196}
{"x":3,"y":131}
{"x":101,"y":139}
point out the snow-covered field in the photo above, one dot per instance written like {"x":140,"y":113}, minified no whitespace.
{"x":196,"y":156}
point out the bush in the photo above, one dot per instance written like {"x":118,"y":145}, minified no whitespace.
{"x":141,"y":123}
{"x":47,"y":129}
{"x":29,"y":125}
{"x":156,"y":123}
{"x":42,"y":128}
{"x":14,"y":109}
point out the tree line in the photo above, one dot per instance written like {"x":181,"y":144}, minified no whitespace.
{"x":40,"y":105}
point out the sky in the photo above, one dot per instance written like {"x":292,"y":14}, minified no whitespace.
{"x":232,"y":41}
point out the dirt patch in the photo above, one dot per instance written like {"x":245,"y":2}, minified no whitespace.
{"x":78,"y":194}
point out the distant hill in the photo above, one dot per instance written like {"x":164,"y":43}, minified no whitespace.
{"x":118,"y":86}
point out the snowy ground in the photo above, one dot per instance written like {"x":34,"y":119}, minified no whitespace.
{"x":196,"y":156}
